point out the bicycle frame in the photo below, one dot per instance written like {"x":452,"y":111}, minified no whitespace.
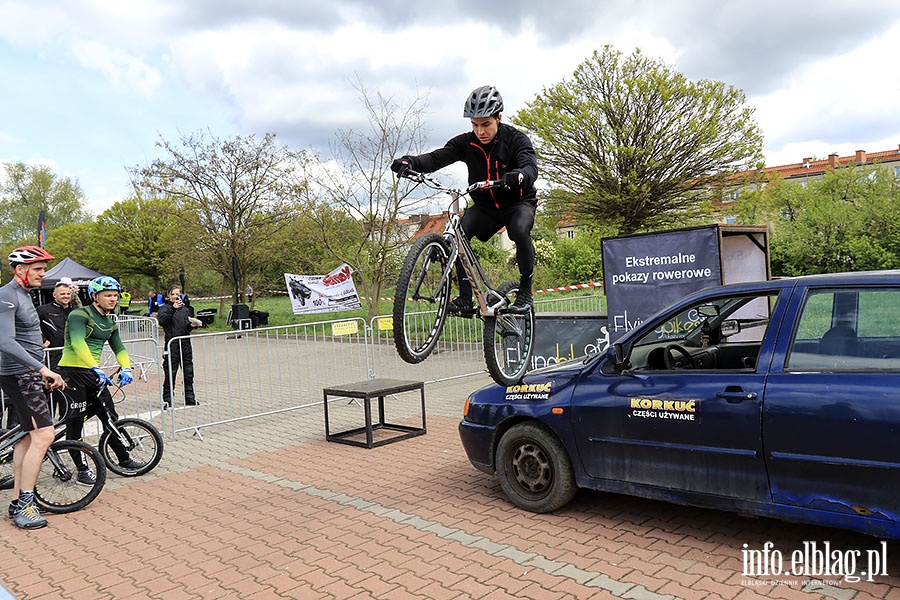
{"x":490,"y":303}
{"x":10,"y":437}
{"x":103,"y":415}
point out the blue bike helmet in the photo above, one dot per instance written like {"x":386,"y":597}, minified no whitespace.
{"x":102,"y":284}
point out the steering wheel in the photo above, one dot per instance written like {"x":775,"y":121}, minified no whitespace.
{"x":669,"y":358}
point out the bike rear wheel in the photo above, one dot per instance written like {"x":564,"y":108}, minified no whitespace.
{"x":145,"y":444}
{"x":508,"y":341}
{"x":57,"y":489}
{"x":421,"y":298}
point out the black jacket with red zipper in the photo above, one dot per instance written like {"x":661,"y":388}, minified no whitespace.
{"x":509,"y":151}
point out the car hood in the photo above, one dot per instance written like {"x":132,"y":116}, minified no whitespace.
{"x":536,"y":385}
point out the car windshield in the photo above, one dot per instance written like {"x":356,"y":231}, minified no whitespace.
{"x":687,"y":324}
{"x":704,"y":329}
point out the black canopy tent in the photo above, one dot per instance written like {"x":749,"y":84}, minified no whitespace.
{"x":78,"y":273}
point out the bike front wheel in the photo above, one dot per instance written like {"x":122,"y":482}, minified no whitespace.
{"x":508,"y":341}
{"x":421,"y":298}
{"x":57,"y":489}
{"x":144,"y":444}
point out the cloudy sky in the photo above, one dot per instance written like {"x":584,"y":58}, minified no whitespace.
{"x":88,"y":87}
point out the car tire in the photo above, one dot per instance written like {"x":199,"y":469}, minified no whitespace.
{"x":534,"y":469}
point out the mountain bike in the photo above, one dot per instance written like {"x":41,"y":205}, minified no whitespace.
{"x":423,"y":295}
{"x":140,"y":438}
{"x":57,"y":490}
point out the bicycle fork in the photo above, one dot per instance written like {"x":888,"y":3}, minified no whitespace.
{"x":60,"y":470}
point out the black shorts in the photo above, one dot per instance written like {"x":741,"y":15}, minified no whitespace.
{"x":26,"y":394}
{"x":82,"y":386}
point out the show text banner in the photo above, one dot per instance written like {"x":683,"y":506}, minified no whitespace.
{"x":647,"y":272}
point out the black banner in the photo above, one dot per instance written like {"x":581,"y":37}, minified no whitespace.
{"x":559,"y":337}
{"x":645,"y":273}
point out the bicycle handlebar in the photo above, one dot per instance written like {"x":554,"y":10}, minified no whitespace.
{"x":110,"y":383}
{"x":437,"y":185}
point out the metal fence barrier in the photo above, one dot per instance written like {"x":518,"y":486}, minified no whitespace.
{"x":253,"y":372}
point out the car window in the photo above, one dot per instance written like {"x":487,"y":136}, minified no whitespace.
{"x":722,"y":333}
{"x":847,"y":330}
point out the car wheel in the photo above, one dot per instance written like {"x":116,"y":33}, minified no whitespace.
{"x":534,"y":470}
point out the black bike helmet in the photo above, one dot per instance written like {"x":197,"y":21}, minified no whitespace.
{"x":485,"y":101}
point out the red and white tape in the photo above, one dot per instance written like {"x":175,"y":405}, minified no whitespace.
{"x":564,"y":288}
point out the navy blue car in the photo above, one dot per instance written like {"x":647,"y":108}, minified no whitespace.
{"x":778,"y":398}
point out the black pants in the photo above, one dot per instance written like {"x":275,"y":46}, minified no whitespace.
{"x":482,"y":223}
{"x":84,"y":402}
{"x":181,"y":355}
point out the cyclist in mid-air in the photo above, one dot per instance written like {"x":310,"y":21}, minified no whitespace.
{"x":87,"y":329}
{"x":492,"y":151}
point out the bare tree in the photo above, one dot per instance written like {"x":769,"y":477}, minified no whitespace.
{"x":240,"y":193}
{"x":358,"y":180}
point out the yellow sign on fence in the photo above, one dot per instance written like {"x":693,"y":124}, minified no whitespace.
{"x":385,"y":323}
{"x":344,"y":327}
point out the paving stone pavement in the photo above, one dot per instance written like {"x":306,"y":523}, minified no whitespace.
{"x":266,"y":508}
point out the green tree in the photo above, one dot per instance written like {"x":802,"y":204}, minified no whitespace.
{"x":321,"y":225}
{"x":133,"y":237}
{"x":26,"y":191}
{"x":631,"y":142}
{"x":241,"y":193}
{"x":845,"y":221}
{"x":579,"y":260}
{"x":72,"y":241}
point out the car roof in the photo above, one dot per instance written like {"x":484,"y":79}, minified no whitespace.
{"x":820,"y":279}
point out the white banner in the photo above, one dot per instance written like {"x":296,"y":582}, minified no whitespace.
{"x":322,"y":293}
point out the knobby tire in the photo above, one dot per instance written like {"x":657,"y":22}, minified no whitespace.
{"x":56,"y":490}
{"x":145,"y":443}
{"x":421,"y":298}
{"x":506,"y":354}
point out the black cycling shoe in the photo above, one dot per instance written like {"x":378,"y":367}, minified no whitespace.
{"x":459,"y":307}
{"x":523,"y":303}
{"x":132,"y":464}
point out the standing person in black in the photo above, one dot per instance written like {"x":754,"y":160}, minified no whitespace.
{"x":176,"y":318}
{"x":53,"y":319}
{"x":491,"y":151}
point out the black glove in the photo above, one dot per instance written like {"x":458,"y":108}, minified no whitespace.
{"x":400,"y":166}
{"x":513,"y":181}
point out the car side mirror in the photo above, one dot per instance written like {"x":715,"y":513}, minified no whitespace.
{"x":729,"y":327}
{"x":615,"y":356}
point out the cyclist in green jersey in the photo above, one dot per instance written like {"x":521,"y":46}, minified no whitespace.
{"x":87,"y":329}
